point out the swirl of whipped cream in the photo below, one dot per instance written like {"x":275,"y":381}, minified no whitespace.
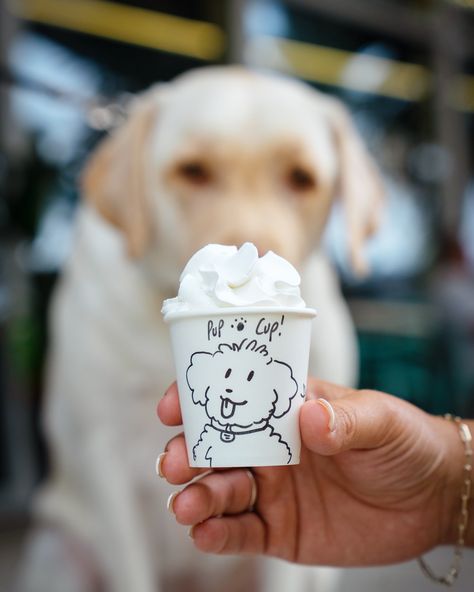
{"x":219,"y":276}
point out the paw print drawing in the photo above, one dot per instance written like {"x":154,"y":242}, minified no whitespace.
{"x":241,"y":388}
{"x":239,"y":324}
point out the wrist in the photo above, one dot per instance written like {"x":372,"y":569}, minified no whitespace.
{"x":456,"y":509}
{"x":454,"y":487}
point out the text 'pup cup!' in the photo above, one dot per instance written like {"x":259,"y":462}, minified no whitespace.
{"x":240,"y":334}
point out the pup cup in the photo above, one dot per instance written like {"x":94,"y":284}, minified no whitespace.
{"x":241,"y":370}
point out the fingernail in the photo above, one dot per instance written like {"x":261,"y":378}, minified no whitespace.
{"x":191,"y":531}
{"x":167,"y":447}
{"x":330,"y":410}
{"x":159,"y":463}
{"x":170,"y":501}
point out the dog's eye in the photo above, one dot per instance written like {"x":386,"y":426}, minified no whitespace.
{"x":251,"y":375}
{"x":228,"y":373}
{"x":195,"y":172}
{"x":300,"y":180}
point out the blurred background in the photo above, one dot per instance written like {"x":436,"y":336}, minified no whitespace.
{"x":404,"y":68}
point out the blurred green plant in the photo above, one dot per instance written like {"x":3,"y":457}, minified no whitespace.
{"x":24,"y":347}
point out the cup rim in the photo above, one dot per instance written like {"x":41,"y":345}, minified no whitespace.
{"x":235,"y":310}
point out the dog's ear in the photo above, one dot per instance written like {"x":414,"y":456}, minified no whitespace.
{"x":360,"y":184}
{"x":114,"y":179}
{"x":286,"y":387}
{"x":198,"y":376}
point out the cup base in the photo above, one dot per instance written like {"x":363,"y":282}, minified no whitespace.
{"x":246,"y":462}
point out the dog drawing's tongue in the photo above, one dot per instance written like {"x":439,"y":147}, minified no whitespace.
{"x":228,"y":407}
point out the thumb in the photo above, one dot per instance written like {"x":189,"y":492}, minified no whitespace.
{"x":362,"y":419}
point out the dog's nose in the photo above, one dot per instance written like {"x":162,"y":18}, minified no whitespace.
{"x":264,"y":246}
{"x":228,"y":390}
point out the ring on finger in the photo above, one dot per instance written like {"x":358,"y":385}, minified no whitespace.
{"x":254,"y":490}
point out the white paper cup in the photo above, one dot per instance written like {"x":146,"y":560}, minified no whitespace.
{"x":242,"y":376}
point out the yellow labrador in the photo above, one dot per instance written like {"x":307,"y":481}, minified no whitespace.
{"x":219,"y":155}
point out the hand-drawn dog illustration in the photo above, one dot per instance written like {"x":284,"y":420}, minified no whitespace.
{"x":242,"y":388}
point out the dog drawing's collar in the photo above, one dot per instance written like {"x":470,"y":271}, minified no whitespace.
{"x":229,"y":433}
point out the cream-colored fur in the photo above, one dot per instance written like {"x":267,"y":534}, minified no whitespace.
{"x":219,"y":155}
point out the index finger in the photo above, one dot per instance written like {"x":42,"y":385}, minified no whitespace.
{"x":168,"y":408}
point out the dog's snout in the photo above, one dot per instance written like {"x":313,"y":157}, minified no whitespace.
{"x":227,"y":390}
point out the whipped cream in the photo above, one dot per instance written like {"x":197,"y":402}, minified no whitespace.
{"x":220,"y":276}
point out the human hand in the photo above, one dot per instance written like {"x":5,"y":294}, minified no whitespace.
{"x":381,"y":487}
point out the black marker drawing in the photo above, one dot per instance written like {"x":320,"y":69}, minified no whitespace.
{"x":239,"y":325}
{"x":241,"y":388}
{"x":269,"y":328}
